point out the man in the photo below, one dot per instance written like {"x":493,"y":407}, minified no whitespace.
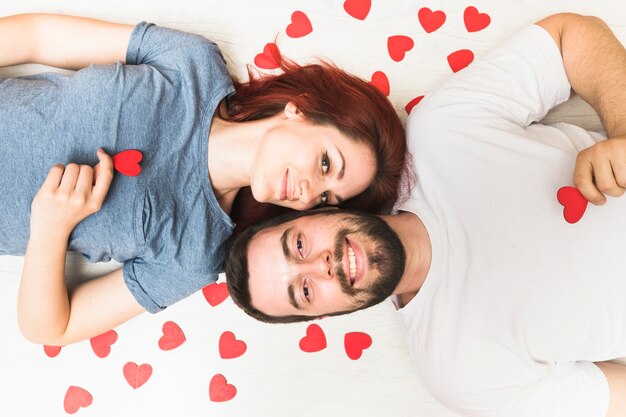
{"x":512,"y":303}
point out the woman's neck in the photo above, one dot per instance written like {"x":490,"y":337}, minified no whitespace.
{"x":232,"y":147}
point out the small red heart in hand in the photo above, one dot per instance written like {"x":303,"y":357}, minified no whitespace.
{"x":101,"y":344}
{"x":127,"y":162}
{"x":398,"y":46}
{"x":380,"y":81}
{"x":219,"y":390}
{"x":359,"y":9}
{"x":573,"y":202}
{"x":51,"y":351}
{"x":75,"y":398}
{"x":268,"y":58}
{"x":137,"y":375}
{"x":475,"y":21}
{"x":431,"y":21}
{"x":412,"y":104}
{"x":314,"y":341}
{"x":460,"y":59}
{"x":230,"y":347}
{"x":300,"y":25}
{"x":355,"y":343}
{"x":173,"y":336}
{"x":215,"y":293}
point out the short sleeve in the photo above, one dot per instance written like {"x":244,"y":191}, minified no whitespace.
{"x":157,"y":286}
{"x":519,"y":81}
{"x":578,"y":389}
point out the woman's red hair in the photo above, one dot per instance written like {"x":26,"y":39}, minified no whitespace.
{"x":327,"y":96}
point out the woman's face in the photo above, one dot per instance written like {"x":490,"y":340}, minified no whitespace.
{"x":301,"y":165}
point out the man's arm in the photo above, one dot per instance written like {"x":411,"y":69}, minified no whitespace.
{"x":595,"y":63}
{"x":61,"y":41}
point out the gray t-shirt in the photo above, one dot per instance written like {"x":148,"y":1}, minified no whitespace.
{"x":165,"y":225}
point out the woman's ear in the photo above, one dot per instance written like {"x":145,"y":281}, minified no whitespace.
{"x":292,"y":111}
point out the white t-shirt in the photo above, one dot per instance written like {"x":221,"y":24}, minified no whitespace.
{"x":518,"y":303}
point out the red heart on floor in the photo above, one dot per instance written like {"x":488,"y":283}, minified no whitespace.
{"x":215,"y":293}
{"x":431,"y":21}
{"x":398,"y":46}
{"x":127,"y":162}
{"x":300,"y":25}
{"x":355,"y":343}
{"x":220,"y":390}
{"x":230,"y":347}
{"x":474,"y":20}
{"x":173,"y":336}
{"x":460,"y":59}
{"x":137,"y":375}
{"x":51,"y":351}
{"x":380,"y":81}
{"x":359,"y":9}
{"x":314,"y":341}
{"x":75,"y":398}
{"x":101,"y":344}
{"x":268,"y":58}
{"x":412,"y":104}
{"x":573,"y":202}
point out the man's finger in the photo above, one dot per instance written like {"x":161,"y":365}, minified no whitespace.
{"x":583,"y":180}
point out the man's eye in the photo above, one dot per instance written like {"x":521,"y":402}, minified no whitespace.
{"x":299,"y":246}
{"x":325,"y":163}
{"x":305,"y":291}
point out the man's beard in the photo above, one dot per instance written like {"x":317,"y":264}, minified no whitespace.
{"x":384,"y":253}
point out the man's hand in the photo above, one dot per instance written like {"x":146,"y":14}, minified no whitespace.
{"x":601,"y":169}
{"x":68,"y":195}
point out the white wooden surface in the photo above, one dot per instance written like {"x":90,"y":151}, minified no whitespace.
{"x":274,"y":377}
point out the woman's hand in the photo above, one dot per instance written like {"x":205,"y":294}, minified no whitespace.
{"x":601,"y":169}
{"x":68,"y":195}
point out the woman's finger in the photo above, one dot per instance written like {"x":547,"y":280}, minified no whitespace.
{"x":103,"y":177}
{"x":70,"y":175}
{"x":54,"y":177}
{"x":84,"y":182}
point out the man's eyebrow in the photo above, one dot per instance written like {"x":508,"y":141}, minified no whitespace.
{"x":292,"y":296}
{"x":284,"y":242}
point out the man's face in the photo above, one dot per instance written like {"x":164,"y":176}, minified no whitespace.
{"x":322,"y":264}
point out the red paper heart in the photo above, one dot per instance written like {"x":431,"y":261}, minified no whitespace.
{"x":52,"y":351}
{"x":75,"y":398}
{"x":219,"y":390}
{"x":460,"y":59}
{"x":268,"y":58}
{"x":359,"y":9}
{"x":380,"y":81}
{"x":137,"y":375}
{"x":300,"y":25}
{"x":573,"y":202}
{"x":101,"y":344}
{"x":173,"y":336}
{"x":412,"y":104}
{"x":230,"y":347}
{"x":431,"y":21}
{"x":475,"y":21}
{"x":314,"y":341}
{"x":398,"y":46}
{"x":215,"y":293}
{"x":355,"y":343}
{"x":127,"y":162}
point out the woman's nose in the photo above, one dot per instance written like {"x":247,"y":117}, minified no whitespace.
{"x":307,"y":194}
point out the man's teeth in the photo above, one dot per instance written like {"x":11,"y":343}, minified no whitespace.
{"x":352,"y":260}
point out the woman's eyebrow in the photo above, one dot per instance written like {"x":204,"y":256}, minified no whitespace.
{"x":342,"y":171}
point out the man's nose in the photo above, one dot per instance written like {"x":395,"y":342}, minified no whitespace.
{"x":322,"y":266}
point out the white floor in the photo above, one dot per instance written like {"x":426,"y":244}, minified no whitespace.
{"x":274,"y":377}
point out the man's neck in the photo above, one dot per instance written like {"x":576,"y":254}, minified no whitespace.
{"x":417,"y":247}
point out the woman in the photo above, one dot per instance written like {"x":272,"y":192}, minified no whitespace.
{"x":310,"y":137}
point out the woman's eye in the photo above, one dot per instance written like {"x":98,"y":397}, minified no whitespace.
{"x":324,"y":197}
{"x":299,"y":245}
{"x":325,"y":163}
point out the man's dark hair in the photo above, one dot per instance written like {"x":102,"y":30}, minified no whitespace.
{"x":237,"y":274}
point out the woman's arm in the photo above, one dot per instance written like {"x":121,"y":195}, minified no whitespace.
{"x":61,"y":41}
{"x":47,"y":314}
